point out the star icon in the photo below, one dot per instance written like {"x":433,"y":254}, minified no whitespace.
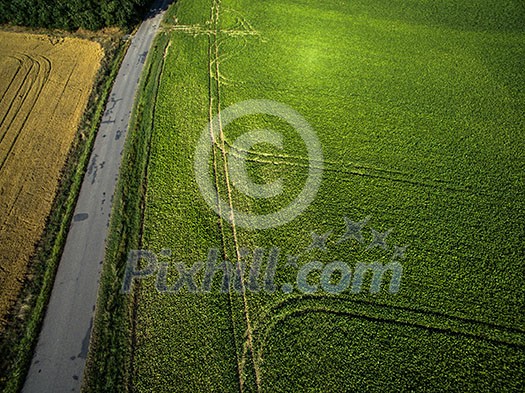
{"x":292,"y":260}
{"x":399,"y":252}
{"x":353,"y":230}
{"x":319,"y":241}
{"x":244,"y":252}
{"x":379,"y":239}
{"x":165,"y":252}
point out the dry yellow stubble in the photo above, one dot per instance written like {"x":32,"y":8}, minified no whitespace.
{"x":44,"y":89}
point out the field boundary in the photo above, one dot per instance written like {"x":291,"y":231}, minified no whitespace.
{"x":21,"y":336}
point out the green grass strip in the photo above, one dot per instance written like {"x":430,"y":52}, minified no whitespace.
{"x":111,"y":351}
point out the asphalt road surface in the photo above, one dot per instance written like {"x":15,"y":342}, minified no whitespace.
{"x":60,"y":356}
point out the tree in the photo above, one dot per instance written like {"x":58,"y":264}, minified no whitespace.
{"x":72,"y":14}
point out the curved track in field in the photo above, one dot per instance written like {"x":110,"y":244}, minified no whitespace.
{"x":16,"y":106}
{"x":22,"y":94}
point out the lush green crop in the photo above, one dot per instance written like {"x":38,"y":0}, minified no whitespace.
{"x":418,"y":107}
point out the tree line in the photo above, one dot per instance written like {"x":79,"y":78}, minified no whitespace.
{"x":72,"y":14}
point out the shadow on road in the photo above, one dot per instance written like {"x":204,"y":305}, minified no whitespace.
{"x":157,"y":7}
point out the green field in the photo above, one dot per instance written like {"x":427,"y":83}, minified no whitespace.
{"x":418,"y":107}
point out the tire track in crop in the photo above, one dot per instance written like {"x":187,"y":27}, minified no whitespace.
{"x":66,"y":85}
{"x":375,"y":319}
{"x":12,"y":205}
{"x":20,"y":63}
{"x":399,"y":315}
{"x":214,"y":62}
{"x":25,"y":65}
{"x":14,"y":103}
{"x":291,"y":300}
{"x":16,"y":96}
{"x":30,"y":84}
{"x":35,"y":79}
{"x":43,"y":74}
{"x":360,"y":170}
{"x":27,"y":84}
{"x":6,"y":266}
{"x":211,"y":105}
{"x":196,"y":30}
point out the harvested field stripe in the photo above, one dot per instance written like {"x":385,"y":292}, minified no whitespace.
{"x":14,"y":77}
{"x":12,"y":205}
{"x":66,"y":85}
{"x":14,"y":98}
{"x":41,"y":85}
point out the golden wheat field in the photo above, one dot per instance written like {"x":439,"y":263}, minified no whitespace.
{"x":44,"y":88}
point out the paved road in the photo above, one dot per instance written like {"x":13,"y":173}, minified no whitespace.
{"x":62,"y":348}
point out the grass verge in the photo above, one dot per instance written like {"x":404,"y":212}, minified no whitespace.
{"x":26,"y":318}
{"x":111,"y":350}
